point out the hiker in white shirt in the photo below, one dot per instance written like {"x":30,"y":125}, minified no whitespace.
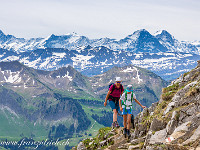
{"x":125,"y":104}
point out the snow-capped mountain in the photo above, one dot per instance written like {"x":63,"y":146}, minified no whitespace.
{"x":92,"y":61}
{"x":160,"y":53}
{"x":139,"y":41}
{"x":18,"y":45}
{"x":173,"y":45}
{"x":197,"y":44}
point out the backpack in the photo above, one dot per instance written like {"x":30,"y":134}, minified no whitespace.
{"x":124,"y":101}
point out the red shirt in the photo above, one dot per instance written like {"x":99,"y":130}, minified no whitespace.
{"x":117,"y":91}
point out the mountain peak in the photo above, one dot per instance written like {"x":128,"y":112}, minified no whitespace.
{"x":142,"y":33}
{"x":162,"y":32}
{"x":1,"y":33}
{"x":142,"y":30}
{"x":12,"y":65}
{"x":138,"y":32}
{"x":164,"y":36}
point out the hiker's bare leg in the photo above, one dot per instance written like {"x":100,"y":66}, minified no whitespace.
{"x":114,"y":115}
{"x":125,"y":120}
{"x":129,"y":121}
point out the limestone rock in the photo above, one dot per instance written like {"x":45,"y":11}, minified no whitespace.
{"x":103,"y":143}
{"x":109,"y":134}
{"x":180,"y":130}
{"x":187,"y":113}
{"x":198,"y":148}
{"x":158,"y":137}
{"x":145,"y":112}
{"x":152,"y":107}
{"x":137,"y":141}
{"x":169,"y":107}
{"x":123,"y":146}
{"x":172,"y":123}
{"x":91,"y":143}
{"x":157,"y":125}
{"x":81,"y":146}
{"x":194,"y":137}
{"x":134,"y":147}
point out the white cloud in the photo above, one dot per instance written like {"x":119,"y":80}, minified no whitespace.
{"x":100,"y":18}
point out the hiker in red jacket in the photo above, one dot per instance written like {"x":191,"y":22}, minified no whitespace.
{"x":114,"y":93}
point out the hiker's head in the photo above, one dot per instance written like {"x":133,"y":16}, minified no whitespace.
{"x":129,"y":88}
{"x":118,"y":80}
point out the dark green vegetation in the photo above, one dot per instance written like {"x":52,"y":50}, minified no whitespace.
{"x":95,"y":142}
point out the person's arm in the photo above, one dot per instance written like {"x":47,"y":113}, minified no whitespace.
{"x":107,"y":96}
{"x":120,"y":101}
{"x":140,"y":104}
{"x":122,"y":93}
{"x":120,"y":105}
{"x":122,"y":90}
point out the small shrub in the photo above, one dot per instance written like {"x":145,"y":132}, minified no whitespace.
{"x":192,"y":91}
{"x":168,"y":96}
{"x":141,"y":145}
{"x":173,"y":87}
{"x":169,"y":92}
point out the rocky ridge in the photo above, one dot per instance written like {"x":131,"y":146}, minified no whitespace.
{"x":173,"y":123}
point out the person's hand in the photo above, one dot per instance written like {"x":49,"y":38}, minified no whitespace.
{"x":105,"y":103}
{"x":143,"y":107}
{"x":121,"y":109}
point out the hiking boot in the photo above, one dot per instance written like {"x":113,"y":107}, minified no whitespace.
{"x":113,"y":125}
{"x":125,"y":132}
{"x":132,"y":121}
{"x":128,"y":134}
{"x":117,"y":124}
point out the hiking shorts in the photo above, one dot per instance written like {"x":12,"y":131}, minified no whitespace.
{"x":114,"y":105}
{"x":127,"y":111}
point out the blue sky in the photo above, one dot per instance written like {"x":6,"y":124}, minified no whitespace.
{"x":100,"y":18}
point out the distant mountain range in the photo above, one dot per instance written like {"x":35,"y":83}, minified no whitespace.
{"x":160,"y":53}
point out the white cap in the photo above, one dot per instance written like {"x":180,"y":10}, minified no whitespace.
{"x":118,"y":79}
{"x":129,"y":86}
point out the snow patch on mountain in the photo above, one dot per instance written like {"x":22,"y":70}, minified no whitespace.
{"x":33,"y":63}
{"x":10,"y":58}
{"x":197,"y":44}
{"x":130,"y":69}
{"x":59,"y":55}
{"x":11,"y":77}
{"x":138,"y":77}
{"x":82,"y":60}
{"x":66,"y":76}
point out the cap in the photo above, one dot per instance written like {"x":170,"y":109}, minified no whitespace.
{"x":129,"y":88}
{"x":118,"y":79}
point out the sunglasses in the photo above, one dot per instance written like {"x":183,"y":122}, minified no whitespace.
{"x":118,"y":82}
